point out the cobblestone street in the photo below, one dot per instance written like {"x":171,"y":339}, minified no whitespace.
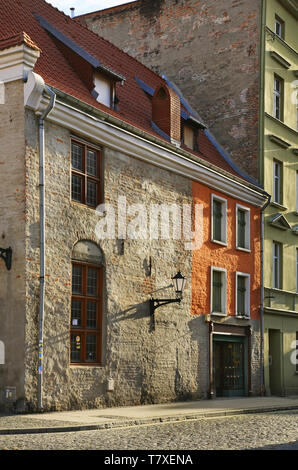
{"x":260,"y":431}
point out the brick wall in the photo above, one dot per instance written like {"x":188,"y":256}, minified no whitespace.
{"x":210,"y":50}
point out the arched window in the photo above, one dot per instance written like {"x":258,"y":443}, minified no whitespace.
{"x":86,"y":304}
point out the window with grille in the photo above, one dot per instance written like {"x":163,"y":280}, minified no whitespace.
{"x":219,"y":219}
{"x":86,"y":306}
{"x":218,"y":291}
{"x":242,"y":227}
{"x":242,"y":295}
{"x":85,"y":174}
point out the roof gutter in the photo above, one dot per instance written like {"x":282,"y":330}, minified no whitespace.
{"x":99,"y":115}
{"x":42,"y":241}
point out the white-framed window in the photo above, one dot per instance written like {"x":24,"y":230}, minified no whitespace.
{"x":278,"y":98}
{"x":277,"y":181}
{"x":242,"y":294}
{"x":218,"y":219}
{"x":218,"y":291}
{"x":276,"y":265}
{"x":279,"y":26}
{"x":242,"y":227}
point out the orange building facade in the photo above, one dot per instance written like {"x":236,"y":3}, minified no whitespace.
{"x":226,"y":288}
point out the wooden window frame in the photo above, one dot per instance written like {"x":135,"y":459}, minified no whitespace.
{"x":83,"y":330}
{"x":84,"y":175}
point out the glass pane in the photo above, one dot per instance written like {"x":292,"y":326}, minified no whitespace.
{"x":92,"y":193}
{"x":77,"y":157}
{"x":76,"y":313}
{"x":91,"y":342}
{"x":91,"y":314}
{"x":241,"y":291}
{"x":92,"y":281}
{"x":92,"y":162}
{"x":217,"y":217}
{"x":217,"y":291}
{"x":77,"y":279}
{"x":241,"y":228}
{"x":76,"y":188}
{"x":75,"y":348}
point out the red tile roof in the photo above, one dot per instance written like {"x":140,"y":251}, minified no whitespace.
{"x":19,"y":16}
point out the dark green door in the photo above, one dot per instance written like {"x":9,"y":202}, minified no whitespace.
{"x":229,"y":368}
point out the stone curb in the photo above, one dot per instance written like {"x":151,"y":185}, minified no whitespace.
{"x":144,"y":421}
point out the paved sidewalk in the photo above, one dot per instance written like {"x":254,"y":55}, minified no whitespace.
{"x":145,"y":414}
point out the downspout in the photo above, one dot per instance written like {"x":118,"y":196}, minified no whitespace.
{"x":42,"y":240}
{"x":262,"y":179}
{"x":262,"y":391}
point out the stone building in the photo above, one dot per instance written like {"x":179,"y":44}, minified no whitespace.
{"x":236,"y":61}
{"x":95,"y":150}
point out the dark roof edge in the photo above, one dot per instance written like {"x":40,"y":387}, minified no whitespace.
{"x":77,"y":49}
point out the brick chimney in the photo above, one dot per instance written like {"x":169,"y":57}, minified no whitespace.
{"x":166,"y":112}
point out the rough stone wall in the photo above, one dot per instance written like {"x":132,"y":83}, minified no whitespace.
{"x":210,"y":50}
{"x":12,"y":233}
{"x":147,"y":364}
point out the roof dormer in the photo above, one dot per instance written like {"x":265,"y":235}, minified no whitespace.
{"x":166,"y":112}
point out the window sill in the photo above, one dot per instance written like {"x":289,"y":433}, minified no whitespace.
{"x":243,"y":317}
{"x":219,"y":242}
{"x":246,"y":250}
{"x":218,"y":314}
{"x":73,"y":365}
{"x":81,"y":204}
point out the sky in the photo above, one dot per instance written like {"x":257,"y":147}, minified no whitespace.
{"x":85,"y":6}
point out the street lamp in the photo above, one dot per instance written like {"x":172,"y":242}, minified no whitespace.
{"x":178,"y":284}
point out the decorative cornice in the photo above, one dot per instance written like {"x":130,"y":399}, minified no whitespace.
{"x":100,"y":129}
{"x":278,"y":141}
{"x":290,"y":6}
{"x":280,"y":59}
{"x":17,"y":61}
{"x":107,"y":134}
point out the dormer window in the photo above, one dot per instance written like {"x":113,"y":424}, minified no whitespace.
{"x":104,"y":87}
{"x":189,"y":136}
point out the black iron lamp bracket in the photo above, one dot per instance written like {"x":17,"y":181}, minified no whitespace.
{"x":6,"y":255}
{"x":155,"y":303}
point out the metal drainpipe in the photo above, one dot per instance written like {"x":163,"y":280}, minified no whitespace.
{"x":42,"y":240}
{"x":262,"y":296}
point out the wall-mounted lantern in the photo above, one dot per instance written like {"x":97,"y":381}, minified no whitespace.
{"x":178,"y":284}
{"x":6,"y":255}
